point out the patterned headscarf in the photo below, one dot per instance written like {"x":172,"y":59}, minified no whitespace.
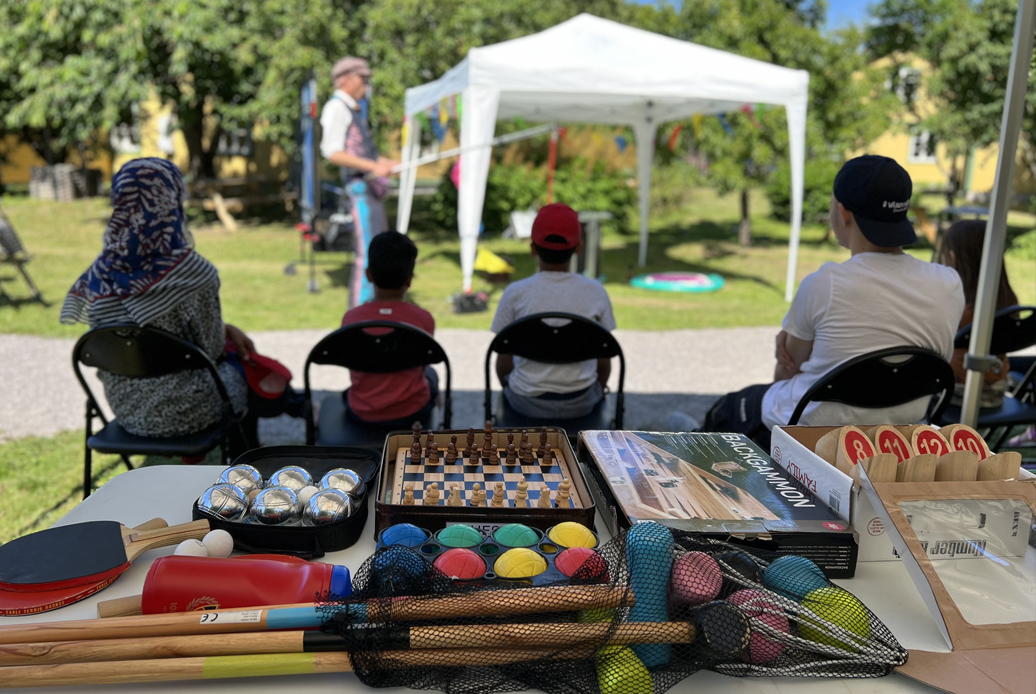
{"x":148,"y":263}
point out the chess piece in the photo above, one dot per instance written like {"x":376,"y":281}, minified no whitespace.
{"x":510,"y":437}
{"x":511,"y":458}
{"x":469,"y":450}
{"x":430,"y":440}
{"x":527,"y":457}
{"x":481,"y":498}
{"x":494,"y":455}
{"x":415,"y":447}
{"x":475,"y":494}
{"x":543,"y":441}
{"x":545,"y":497}
{"x":564,"y":491}
{"x":454,"y":497}
{"x":522,"y":494}
{"x":431,"y":495}
{"x":525,"y":438}
{"x":487,"y":437}
{"x":432,"y":452}
{"x":451,"y":451}
{"x":548,"y":456}
{"x":499,"y":495}
{"x":408,"y":494}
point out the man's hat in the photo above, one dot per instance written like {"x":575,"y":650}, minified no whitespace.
{"x":556,"y":227}
{"x":350,"y":65}
{"x":877,"y":191}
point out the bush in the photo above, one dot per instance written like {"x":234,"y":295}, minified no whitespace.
{"x":818,"y":180}
{"x":521,"y":186}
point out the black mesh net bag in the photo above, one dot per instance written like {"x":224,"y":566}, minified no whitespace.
{"x":646,"y":610}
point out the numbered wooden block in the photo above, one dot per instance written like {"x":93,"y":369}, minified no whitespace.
{"x":963,"y":438}
{"x":827,"y":446}
{"x":920,"y":468}
{"x":957,"y":466}
{"x":849,"y":444}
{"x":880,"y":468}
{"x":927,"y":440}
{"x":907,"y":431}
{"x":1000,"y":467}
{"x":887,"y":439}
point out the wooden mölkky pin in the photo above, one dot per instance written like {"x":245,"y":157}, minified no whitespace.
{"x":961,"y":437}
{"x":918,"y":468}
{"x":928,"y":439}
{"x":844,"y":447}
{"x":1002,"y":466}
{"x":958,"y":466}
{"x":887,"y":439}
{"x":880,"y":468}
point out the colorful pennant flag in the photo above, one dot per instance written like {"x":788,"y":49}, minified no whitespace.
{"x":444,"y":112}
{"x":406,"y":130}
{"x":673,"y":136}
{"x":726,"y":126}
{"x":620,"y":142}
{"x":747,"y":110}
{"x":696,"y":120}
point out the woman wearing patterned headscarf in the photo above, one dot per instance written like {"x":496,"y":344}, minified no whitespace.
{"x":148,"y":273}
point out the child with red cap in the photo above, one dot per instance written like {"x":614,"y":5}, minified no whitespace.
{"x":560,"y":391}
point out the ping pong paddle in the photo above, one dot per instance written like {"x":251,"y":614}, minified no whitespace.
{"x":14,"y":604}
{"x":83,"y":553}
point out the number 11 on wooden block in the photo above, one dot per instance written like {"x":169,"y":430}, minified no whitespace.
{"x":887,"y":439}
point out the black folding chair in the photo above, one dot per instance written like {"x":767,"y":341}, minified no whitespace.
{"x":375,"y":347}
{"x":884,"y":378}
{"x":1014,"y":329}
{"x":566,"y":339}
{"x":142,"y":352}
{"x":12,"y":252}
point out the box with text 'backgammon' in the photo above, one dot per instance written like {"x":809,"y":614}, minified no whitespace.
{"x":721,"y":485}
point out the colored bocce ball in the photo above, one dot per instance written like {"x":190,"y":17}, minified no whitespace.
{"x":695,"y":579}
{"x":582,"y":563}
{"x":516,"y":535}
{"x":460,"y":563}
{"x":741,"y":564}
{"x":620,"y":671}
{"x":404,"y":534}
{"x":571,"y":534}
{"x":722,"y":631}
{"x":519,"y":563}
{"x":754,"y":603}
{"x":459,"y":536}
{"x":794,"y":576}
{"x":399,"y":570}
{"x":839,"y":607}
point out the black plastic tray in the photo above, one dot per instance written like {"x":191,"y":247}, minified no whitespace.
{"x":302,"y":541}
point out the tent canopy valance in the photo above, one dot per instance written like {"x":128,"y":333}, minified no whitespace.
{"x":592,"y":70}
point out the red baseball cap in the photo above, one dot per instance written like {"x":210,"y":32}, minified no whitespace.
{"x":267,"y":377}
{"x":556,"y":227}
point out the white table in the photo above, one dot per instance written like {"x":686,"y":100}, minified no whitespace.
{"x":169,"y":492}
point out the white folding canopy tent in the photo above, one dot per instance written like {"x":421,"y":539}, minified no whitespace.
{"x":592,"y":70}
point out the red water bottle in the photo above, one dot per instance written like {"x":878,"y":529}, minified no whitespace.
{"x":183,"y":584}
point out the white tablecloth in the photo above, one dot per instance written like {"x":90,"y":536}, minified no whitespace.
{"x":169,"y":492}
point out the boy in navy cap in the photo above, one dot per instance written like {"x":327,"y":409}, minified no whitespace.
{"x":562,"y":391}
{"x":880,"y":297}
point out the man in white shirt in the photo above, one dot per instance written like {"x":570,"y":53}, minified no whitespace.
{"x":346,"y":142}
{"x":554,"y":391}
{"x":881,"y":297}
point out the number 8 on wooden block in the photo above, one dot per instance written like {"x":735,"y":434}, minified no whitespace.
{"x":844,"y":448}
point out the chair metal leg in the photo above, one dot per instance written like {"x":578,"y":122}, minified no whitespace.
{"x":126,"y":462}
{"x":88,"y":454}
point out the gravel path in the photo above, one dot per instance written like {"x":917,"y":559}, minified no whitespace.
{"x":681,"y":370}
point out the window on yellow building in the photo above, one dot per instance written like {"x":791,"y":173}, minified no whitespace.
{"x":921,"y":149}
{"x":905,"y":83}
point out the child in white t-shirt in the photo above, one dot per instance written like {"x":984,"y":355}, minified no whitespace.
{"x":881,"y":297}
{"x":561,"y":391}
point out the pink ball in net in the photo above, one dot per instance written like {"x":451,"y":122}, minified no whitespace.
{"x":695,"y":579}
{"x":755,"y":603}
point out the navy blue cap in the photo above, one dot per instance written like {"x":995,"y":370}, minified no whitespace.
{"x":877,"y":191}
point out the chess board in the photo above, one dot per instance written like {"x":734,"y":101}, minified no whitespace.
{"x":466,"y":473}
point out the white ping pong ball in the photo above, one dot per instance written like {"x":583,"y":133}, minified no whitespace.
{"x":219,"y":543}
{"x":191,"y":548}
{"x":306,"y":493}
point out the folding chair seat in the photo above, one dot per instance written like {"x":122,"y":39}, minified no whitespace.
{"x":557,"y":338}
{"x":142,"y":352}
{"x":376,"y":347}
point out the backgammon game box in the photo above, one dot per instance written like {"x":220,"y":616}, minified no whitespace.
{"x":722,"y":485}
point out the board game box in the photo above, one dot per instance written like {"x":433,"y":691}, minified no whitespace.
{"x":721,"y":485}
{"x":542,"y":488}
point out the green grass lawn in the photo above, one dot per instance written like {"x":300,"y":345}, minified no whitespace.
{"x":64,"y":238}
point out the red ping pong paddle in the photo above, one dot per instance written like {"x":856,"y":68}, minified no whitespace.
{"x":77,"y":555}
{"x":14,"y":604}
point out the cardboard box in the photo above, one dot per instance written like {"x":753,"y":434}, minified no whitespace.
{"x":792,"y":448}
{"x":720,"y":485}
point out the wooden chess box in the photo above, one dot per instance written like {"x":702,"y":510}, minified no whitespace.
{"x":399,"y":469}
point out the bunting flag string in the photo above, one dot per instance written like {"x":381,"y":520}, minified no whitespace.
{"x":747,"y":110}
{"x":696,"y":121}
{"x":674,"y":135}
{"x":406,"y":130}
{"x":621,"y":142}
{"x":726,"y":126}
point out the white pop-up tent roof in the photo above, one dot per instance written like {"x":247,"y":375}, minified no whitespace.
{"x":593,"y":70}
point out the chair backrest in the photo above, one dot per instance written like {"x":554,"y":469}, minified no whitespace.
{"x":884,"y":378}
{"x":1014,"y":329}
{"x":130,"y":350}
{"x":379,"y":347}
{"x":557,"y":338}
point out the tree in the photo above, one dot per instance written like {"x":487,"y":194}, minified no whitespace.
{"x":67,"y":71}
{"x":847,"y":105}
{"x":968,"y":47}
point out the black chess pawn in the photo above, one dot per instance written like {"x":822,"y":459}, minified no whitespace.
{"x":548,"y":456}
{"x":527,"y":457}
{"x":494,"y":455}
{"x":487,"y":437}
{"x":510,"y":437}
{"x":470,"y":450}
{"x":415,"y":447}
{"x":511,"y":457}
{"x":433,"y":453}
{"x":525,"y":437}
{"x":543,"y":441}
{"x":430,"y":440}
{"x":451,"y":451}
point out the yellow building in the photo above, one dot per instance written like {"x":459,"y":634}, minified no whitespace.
{"x":925,"y":159}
